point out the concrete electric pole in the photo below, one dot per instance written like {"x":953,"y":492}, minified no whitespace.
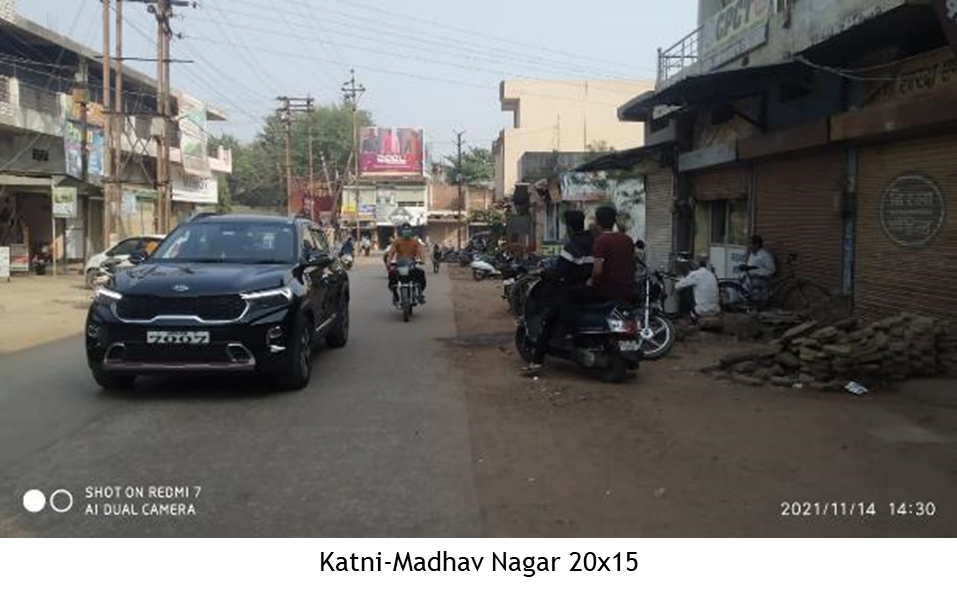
{"x":288,"y":107}
{"x":352,"y":93}
{"x":108,"y":159}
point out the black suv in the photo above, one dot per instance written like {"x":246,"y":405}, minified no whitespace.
{"x":222,"y":294}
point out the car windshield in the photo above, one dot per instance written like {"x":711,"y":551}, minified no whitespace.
{"x":230,"y":242}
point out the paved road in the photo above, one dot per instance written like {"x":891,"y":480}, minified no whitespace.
{"x":378,"y":445}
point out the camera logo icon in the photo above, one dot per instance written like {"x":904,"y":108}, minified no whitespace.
{"x":60,"y":501}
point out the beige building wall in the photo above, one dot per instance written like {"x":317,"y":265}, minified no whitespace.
{"x":563,"y":116}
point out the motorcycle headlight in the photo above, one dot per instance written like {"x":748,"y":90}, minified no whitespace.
{"x":107,"y":297}
{"x":277,"y":297}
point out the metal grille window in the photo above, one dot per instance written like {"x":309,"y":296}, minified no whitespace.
{"x":4,"y":89}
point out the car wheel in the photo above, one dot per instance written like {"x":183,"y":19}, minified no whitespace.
{"x":339,"y":336}
{"x":299,"y":365}
{"x":112,"y":381}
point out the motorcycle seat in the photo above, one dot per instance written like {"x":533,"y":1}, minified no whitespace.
{"x":598,"y":307}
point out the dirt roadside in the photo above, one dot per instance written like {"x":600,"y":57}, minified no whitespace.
{"x":676,"y":453}
{"x":35,"y":310}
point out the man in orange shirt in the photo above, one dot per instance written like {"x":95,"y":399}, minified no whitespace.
{"x":406,"y":248}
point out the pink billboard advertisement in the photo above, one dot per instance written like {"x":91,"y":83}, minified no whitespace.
{"x":391,"y":150}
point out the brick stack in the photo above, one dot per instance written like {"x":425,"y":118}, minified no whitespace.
{"x":827,"y":357}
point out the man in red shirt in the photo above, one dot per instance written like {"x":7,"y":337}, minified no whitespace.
{"x":613,"y":274}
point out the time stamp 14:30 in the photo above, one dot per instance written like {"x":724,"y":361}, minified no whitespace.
{"x":858,"y":509}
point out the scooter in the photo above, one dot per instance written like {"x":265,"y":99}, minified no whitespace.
{"x":347,"y":261}
{"x":605,"y":336}
{"x":482,"y":270}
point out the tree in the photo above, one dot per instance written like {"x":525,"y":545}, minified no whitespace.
{"x":599,"y":146}
{"x":258,"y":177}
{"x":478,"y":167}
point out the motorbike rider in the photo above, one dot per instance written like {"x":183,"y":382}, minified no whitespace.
{"x":569,"y":277}
{"x":365,"y":245}
{"x":347,"y":248}
{"x":406,"y":247}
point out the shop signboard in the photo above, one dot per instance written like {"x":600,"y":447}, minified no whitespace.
{"x":73,"y":150}
{"x":193,"y":136}
{"x":19,"y":258}
{"x":195,"y":189}
{"x":5,"y":263}
{"x":586,"y":187}
{"x":737,"y":29}
{"x":64,"y":202}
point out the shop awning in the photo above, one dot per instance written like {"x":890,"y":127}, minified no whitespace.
{"x":716,"y":87}
{"x":621,"y":160}
{"x":24,"y":181}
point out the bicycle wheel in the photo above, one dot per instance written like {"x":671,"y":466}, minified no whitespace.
{"x":807,"y":297}
{"x":733,"y":296}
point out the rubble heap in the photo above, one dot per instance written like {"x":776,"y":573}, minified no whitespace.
{"x":827,"y":357}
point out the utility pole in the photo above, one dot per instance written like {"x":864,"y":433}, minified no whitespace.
{"x":288,"y":107}
{"x":163,"y":11}
{"x":107,"y":132}
{"x":459,"y":180}
{"x":352,"y":93}
{"x":119,"y":122}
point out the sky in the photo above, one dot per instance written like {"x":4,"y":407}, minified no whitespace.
{"x":425,"y":63}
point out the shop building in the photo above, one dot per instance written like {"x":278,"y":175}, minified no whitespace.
{"x":827,"y":128}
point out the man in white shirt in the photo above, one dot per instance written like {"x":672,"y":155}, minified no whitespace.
{"x":760,"y":269}
{"x":705,"y":286}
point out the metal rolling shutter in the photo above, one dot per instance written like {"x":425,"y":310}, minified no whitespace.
{"x":726,"y":183}
{"x":889,"y":278}
{"x":658,"y":216}
{"x":798,"y":211}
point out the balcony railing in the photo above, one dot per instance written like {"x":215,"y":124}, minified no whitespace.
{"x":679,"y":56}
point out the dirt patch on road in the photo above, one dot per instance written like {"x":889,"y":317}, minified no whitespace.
{"x":35,"y":310}
{"x":674,"y":452}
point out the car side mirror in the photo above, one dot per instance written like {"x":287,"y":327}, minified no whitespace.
{"x":139,"y":256}
{"x":318,"y":260}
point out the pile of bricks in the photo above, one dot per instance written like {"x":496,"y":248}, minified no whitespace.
{"x":827,"y":357}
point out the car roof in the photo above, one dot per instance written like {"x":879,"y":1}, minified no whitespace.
{"x":244,"y":218}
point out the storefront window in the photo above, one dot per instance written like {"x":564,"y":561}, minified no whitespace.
{"x":729,"y":222}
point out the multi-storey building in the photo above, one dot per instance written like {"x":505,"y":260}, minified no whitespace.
{"x":42,"y":129}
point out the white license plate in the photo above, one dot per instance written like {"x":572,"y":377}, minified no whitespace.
{"x":629,"y":346}
{"x":178,"y":338}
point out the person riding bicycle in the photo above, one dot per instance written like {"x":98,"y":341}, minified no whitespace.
{"x":759,"y":269}
{"x":406,"y":248}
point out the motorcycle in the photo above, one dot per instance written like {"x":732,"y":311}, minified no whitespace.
{"x":347,"y":261}
{"x":407,"y":294}
{"x":605,"y":336}
{"x":657,"y":331}
{"x":482,"y":269}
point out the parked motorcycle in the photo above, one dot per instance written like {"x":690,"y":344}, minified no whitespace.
{"x":605,"y":336}
{"x":482,"y":269}
{"x":407,"y":294}
{"x":657,"y":331}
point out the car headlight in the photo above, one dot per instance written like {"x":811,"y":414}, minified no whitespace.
{"x":277,"y":297}
{"x":105,"y":296}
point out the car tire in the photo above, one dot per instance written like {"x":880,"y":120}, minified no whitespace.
{"x":298,"y":369}
{"x":339,"y":336}
{"x":112,"y":381}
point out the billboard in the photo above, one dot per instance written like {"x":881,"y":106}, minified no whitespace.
{"x":391,"y":150}
{"x":73,"y":148}
{"x":193,"y":136}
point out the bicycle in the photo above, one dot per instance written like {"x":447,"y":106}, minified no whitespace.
{"x":754,"y":293}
